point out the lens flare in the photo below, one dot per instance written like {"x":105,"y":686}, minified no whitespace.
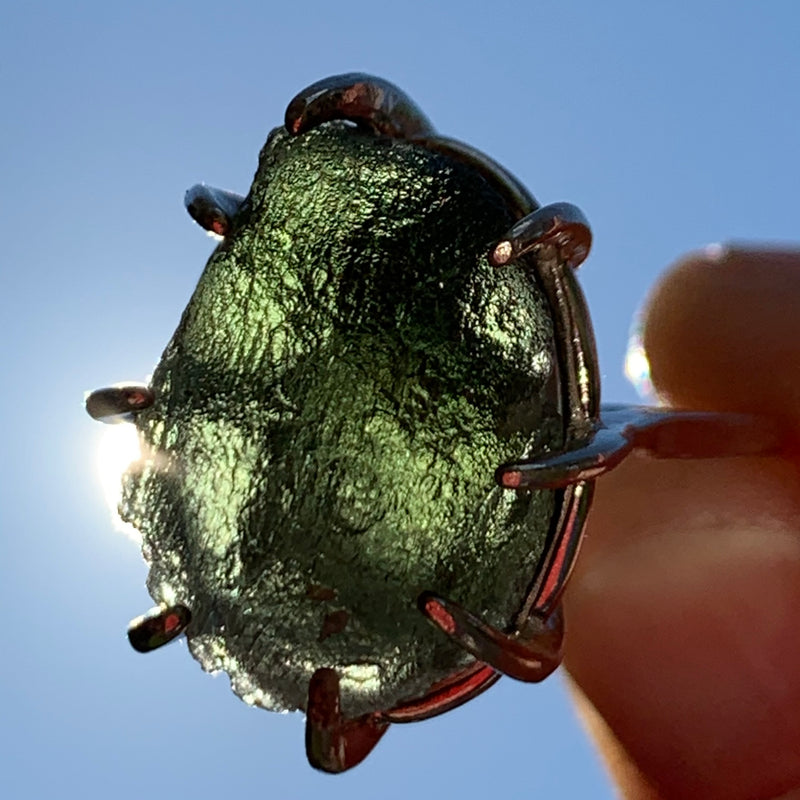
{"x":637,"y":365}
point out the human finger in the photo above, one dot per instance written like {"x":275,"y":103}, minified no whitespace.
{"x":682,"y":613}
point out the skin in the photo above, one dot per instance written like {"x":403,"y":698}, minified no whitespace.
{"x":682,"y":641}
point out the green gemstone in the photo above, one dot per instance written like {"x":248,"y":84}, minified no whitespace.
{"x":328,"y":418}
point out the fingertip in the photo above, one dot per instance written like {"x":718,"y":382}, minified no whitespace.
{"x":681,"y":609}
{"x":722,"y":332}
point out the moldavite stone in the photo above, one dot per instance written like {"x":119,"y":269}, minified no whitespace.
{"x":328,"y":418}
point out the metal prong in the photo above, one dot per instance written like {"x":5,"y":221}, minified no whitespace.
{"x":674,"y":433}
{"x":602,"y":453}
{"x":211,"y":208}
{"x":158,"y":627}
{"x":118,"y":403}
{"x":561,"y":225}
{"x":333,"y":743}
{"x":530,"y":655}
{"x":370,"y":102}
{"x":449,"y":694}
{"x":664,"y":433}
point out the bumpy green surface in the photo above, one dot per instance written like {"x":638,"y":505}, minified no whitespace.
{"x":329,"y":414}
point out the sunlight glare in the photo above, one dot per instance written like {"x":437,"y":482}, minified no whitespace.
{"x":118,"y":447}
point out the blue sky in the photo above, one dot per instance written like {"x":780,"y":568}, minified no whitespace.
{"x":671,"y":126}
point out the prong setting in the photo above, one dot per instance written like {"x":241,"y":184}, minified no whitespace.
{"x":561,"y":226}
{"x":530,"y":654}
{"x":664,"y":433}
{"x":158,"y":627}
{"x":370,"y":102}
{"x":333,"y":742}
{"x":212,"y":209}
{"x":119,"y":403}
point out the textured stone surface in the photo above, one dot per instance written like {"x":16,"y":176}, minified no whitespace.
{"x":329,"y":414}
